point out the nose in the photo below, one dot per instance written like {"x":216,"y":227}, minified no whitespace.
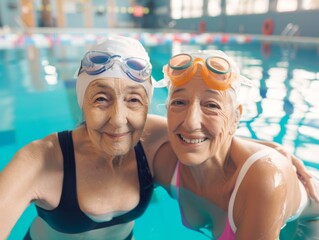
{"x":193,"y":117}
{"x":118,"y":115}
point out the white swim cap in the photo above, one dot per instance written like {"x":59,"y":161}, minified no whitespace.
{"x":125,"y":47}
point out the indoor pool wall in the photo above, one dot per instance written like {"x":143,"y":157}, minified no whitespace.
{"x":37,"y":92}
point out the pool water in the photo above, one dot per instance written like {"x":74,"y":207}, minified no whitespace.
{"x":37,"y":97}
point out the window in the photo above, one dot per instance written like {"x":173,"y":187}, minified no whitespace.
{"x":236,"y":7}
{"x":282,"y":5}
{"x":186,"y":9}
{"x":176,"y":9}
{"x":214,"y":8}
{"x":310,"y":4}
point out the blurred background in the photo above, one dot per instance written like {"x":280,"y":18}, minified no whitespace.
{"x":294,"y":17}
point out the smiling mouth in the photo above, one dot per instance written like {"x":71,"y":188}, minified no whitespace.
{"x":118,"y":135}
{"x":191,"y":141}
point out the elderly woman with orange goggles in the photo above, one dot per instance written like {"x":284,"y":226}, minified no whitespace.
{"x":234,"y":188}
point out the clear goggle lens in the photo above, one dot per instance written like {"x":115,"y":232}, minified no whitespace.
{"x":95,"y":62}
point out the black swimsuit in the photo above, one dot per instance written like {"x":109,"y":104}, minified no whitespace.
{"x":68,"y":217}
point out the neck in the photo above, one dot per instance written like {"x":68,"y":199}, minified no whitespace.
{"x":215,"y":170}
{"x":90,"y":152}
{"x":117,"y":162}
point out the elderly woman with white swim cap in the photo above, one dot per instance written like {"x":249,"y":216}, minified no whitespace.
{"x":94,"y":181}
{"x":226,"y":185}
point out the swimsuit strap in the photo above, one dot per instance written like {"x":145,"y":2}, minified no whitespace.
{"x":252,"y":159}
{"x":69,"y":195}
{"x":175,"y":182}
{"x":144,"y":172}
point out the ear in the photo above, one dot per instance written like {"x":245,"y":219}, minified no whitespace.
{"x":238,"y":113}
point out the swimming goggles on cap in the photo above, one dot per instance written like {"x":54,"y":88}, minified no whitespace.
{"x":216,"y":70}
{"x":96,"y":62}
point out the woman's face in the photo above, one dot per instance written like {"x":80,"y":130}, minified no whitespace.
{"x":201,"y":121}
{"x":115,"y":112}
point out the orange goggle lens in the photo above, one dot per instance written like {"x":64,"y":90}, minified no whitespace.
{"x":216,"y":71}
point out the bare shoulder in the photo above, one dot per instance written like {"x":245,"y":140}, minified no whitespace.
{"x":155,"y":128}
{"x":264,"y":191}
{"x":164,"y":165}
{"x":242,"y":149}
{"x":40,"y":152}
{"x":28,"y":177}
{"x":267,"y":171}
{"x":31,"y":164}
{"x":266,"y":174}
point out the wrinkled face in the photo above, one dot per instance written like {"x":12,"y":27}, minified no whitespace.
{"x":201,"y":121}
{"x":115,"y":113}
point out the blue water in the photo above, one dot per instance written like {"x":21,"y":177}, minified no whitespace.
{"x":37,"y":97}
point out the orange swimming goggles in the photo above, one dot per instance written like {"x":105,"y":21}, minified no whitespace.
{"x":216,"y":70}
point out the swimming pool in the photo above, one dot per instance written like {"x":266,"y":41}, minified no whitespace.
{"x":37,"y":93}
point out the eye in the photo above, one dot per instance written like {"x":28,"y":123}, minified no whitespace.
{"x":134,"y":100}
{"x":177,"y":102}
{"x":100,"y":99}
{"x":212,"y":105}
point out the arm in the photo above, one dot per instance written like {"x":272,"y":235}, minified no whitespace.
{"x":303,"y":174}
{"x":262,"y":200}
{"x":21,"y":182}
{"x":15,"y":184}
{"x":159,"y":153}
{"x":165,"y":163}
{"x":153,"y":137}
